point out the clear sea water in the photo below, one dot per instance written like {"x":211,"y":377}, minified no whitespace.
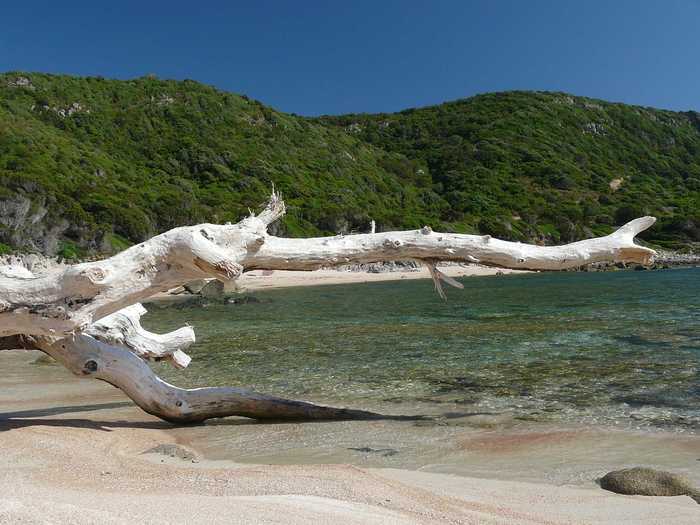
{"x":619,"y":349}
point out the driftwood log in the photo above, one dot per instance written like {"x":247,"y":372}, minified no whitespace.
{"x":86,"y":315}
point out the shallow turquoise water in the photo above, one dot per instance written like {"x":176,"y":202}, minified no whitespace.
{"x":618,"y":348}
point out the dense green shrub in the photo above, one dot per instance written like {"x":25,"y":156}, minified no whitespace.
{"x":550,"y":157}
{"x":128,"y":159}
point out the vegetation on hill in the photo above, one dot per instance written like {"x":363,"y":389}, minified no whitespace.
{"x":549,"y":166}
{"x":89,"y":165}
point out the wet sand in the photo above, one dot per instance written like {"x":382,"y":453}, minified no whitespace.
{"x":74,"y":453}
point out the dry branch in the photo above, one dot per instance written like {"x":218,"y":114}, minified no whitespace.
{"x":87,"y":357}
{"x":87,"y":315}
{"x":123,"y":328}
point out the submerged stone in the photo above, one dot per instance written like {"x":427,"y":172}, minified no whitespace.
{"x":174,"y":451}
{"x":384,"y":452}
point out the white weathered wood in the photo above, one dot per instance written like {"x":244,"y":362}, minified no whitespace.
{"x":15,"y":271}
{"x":123,"y":328}
{"x":87,"y":315}
{"x":69,"y":299}
{"x":438,"y":277}
{"x":424,"y":244}
{"x":87,"y":357}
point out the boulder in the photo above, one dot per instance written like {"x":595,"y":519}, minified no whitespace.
{"x":194,"y":287}
{"x":648,"y":482}
{"x":214,"y":289}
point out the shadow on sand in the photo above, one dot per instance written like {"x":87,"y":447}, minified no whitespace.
{"x":40,"y":417}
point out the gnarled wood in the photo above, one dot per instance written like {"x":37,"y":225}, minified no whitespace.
{"x":87,"y":315}
{"x":87,"y":357}
{"x":425,"y":244}
{"x":123,"y":328}
{"x":69,"y":299}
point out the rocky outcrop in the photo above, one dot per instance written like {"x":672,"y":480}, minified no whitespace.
{"x":20,"y":82}
{"x":23,"y":225}
{"x":666,"y":257}
{"x":63,"y":112}
{"x":382,"y":267}
{"x":29,"y":224}
{"x":594,"y":128}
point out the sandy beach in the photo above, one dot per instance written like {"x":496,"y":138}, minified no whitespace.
{"x":259,"y":280}
{"x":268,"y":280}
{"x":74,"y":452}
{"x":358,"y":263}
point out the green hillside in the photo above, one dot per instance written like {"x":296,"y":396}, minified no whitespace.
{"x":549,"y":166}
{"x":89,"y":165}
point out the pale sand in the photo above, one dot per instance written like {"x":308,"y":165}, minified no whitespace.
{"x":258,"y":280}
{"x":266,"y":280}
{"x":65,"y":464}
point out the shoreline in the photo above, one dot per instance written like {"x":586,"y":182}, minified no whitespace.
{"x":259,"y":280}
{"x":74,"y":452}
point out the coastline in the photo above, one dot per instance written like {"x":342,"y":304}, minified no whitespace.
{"x":74,"y":452}
{"x":267,"y":280}
{"x":258,"y":280}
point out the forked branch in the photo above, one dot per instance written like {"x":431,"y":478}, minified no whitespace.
{"x":87,"y":315}
{"x":68,"y":300}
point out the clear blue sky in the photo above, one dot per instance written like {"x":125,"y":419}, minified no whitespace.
{"x":326,"y":57}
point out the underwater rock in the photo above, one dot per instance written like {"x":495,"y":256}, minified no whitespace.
{"x":384,"y":452}
{"x":174,"y":451}
{"x":243,"y":299}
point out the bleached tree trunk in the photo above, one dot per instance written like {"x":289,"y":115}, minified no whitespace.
{"x":123,"y":368}
{"x":87,"y":315}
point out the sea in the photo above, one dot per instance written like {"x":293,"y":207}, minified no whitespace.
{"x":610,"y":355}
